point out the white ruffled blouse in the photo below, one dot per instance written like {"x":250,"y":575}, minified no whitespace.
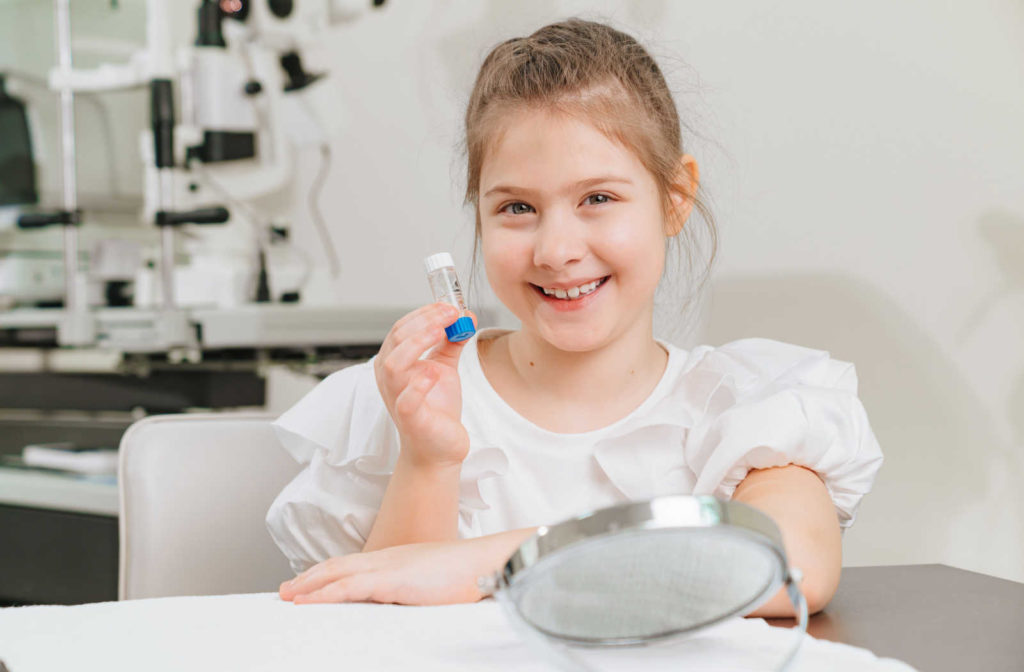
{"x":716,"y":414}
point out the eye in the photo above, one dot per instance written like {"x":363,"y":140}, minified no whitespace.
{"x":597,"y":199}
{"x":517,"y":208}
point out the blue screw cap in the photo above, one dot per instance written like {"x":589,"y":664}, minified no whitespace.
{"x":461,"y":330}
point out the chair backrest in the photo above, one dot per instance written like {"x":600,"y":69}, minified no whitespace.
{"x":194,"y":492}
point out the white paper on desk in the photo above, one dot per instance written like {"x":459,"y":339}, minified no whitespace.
{"x":98,"y":461}
{"x":259,"y":633}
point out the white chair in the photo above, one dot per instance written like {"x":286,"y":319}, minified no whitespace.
{"x":194,"y":492}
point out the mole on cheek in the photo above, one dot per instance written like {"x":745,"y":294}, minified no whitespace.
{"x":531,"y":363}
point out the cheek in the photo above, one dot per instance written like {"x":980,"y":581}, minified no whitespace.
{"x":638,"y":251}
{"x":503,"y":255}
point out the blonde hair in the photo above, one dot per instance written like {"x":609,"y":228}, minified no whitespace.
{"x":591,"y":70}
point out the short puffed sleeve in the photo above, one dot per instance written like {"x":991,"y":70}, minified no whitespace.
{"x":342,"y":433}
{"x":769,"y":404}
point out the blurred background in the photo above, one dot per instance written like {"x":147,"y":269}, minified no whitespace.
{"x":865,"y":164}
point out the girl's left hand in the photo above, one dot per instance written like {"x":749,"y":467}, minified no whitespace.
{"x":421,"y":574}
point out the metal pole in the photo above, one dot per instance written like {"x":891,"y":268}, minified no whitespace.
{"x":62,"y":12}
{"x":164,"y":193}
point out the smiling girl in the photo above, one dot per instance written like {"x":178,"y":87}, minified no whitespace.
{"x":429,"y":465}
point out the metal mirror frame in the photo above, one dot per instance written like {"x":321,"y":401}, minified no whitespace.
{"x":671,"y":512}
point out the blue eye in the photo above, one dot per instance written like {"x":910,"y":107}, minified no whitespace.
{"x":517,"y":208}
{"x":597,"y":199}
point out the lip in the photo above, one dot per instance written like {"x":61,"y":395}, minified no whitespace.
{"x":563,"y":305}
{"x":569,"y":284}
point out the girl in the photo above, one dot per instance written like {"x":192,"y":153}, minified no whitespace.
{"x":429,"y":465}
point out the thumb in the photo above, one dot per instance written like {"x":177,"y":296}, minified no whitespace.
{"x":448,"y":353}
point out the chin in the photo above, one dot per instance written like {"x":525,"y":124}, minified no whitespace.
{"x":573,"y":338}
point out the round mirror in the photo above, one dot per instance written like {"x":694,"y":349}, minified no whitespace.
{"x":645,"y":571}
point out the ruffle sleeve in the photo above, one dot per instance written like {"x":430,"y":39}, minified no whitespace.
{"x":342,"y":433}
{"x":769,"y":404}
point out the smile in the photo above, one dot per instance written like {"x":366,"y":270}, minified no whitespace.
{"x":571,"y":293}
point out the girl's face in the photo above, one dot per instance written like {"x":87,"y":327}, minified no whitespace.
{"x":572,"y":231}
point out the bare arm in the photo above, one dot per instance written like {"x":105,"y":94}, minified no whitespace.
{"x":446,"y":572}
{"x":496,"y":549}
{"x":797,"y":500}
{"x":420,"y":504}
{"x":794,"y":497}
{"x":418,"y":379}
{"x":429,"y":573}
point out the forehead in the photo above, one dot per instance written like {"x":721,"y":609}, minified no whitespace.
{"x":545,"y":150}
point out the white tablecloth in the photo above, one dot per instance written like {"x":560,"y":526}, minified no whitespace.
{"x":258,"y":632}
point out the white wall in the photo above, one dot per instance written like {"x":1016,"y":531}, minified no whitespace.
{"x":866,"y":164}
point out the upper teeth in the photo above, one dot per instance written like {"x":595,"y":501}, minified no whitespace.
{"x":573,"y":292}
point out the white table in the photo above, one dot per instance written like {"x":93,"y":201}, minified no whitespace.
{"x":261,"y":633}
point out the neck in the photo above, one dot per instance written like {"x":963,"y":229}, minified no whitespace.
{"x":631,"y":361}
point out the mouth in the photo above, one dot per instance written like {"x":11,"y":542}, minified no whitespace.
{"x":570,"y":298}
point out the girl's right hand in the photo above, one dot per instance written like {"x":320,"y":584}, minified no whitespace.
{"x":424,"y":396}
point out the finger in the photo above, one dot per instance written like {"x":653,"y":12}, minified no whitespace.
{"x":397,"y":328}
{"x":416,"y":391}
{"x":399,"y":364}
{"x":431,"y":317}
{"x":321,"y":574}
{"x":448,"y":353}
{"x":437,"y":314}
{"x":357,"y":588}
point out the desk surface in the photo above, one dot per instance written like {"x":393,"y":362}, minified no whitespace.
{"x":933,"y":617}
{"x":41,"y":489}
{"x":261,"y":633}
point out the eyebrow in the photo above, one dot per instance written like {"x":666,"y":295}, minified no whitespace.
{"x":582,"y":184}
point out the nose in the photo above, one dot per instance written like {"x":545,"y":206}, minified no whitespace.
{"x":561,"y":240}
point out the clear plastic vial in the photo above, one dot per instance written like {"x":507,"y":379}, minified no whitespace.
{"x":444,"y":284}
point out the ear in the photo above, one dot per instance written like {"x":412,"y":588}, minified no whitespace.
{"x":681,"y":194}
